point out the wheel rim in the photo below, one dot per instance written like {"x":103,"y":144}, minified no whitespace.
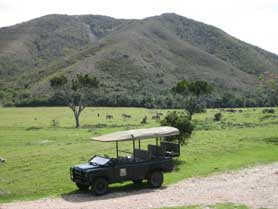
{"x":101,"y":187}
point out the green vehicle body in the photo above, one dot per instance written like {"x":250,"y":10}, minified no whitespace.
{"x":148,"y":165}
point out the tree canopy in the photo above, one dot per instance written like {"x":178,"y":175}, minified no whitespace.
{"x":193,"y":94}
{"x":180,"y":121}
{"x":74,"y":92}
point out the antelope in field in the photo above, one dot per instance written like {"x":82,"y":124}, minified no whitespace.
{"x":109,"y":117}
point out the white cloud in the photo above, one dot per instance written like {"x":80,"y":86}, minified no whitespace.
{"x":253,"y":21}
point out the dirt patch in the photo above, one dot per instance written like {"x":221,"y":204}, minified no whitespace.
{"x":255,"y":187}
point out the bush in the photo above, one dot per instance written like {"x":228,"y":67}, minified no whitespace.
{"x":181,"y":121}
{"x":268,"y":111}
{"x":218,"y":116}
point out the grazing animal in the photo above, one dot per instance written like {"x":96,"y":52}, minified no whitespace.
{"x":125,"y":116}
{"x":109,"y":117}
{"x":230,"y":110}
{"x":159,"y":113}
{"x":2,"y":160}
{"x":144,"y":120}
{"x":155,"y":117}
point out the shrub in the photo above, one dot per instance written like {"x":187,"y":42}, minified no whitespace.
{"x":218,"y":116}
{"x":181,"y":121}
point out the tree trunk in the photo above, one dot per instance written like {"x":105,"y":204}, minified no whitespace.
{"x":76,"y":112}
{"x":190,"y":116}
{"x":76,"y":116}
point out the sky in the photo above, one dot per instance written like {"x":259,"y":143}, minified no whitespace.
{"x":253,"y":21}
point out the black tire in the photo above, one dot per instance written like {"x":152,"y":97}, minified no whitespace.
{"x":100,"y":186}
{"x":82,"y":187}
{"x":137,"y":181}
{"x":155,"y":179}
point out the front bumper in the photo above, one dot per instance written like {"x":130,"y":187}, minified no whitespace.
{"x":78,"y":176}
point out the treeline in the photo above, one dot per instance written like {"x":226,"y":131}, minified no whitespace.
{"x":180,"y":96}
{"x":165,"y":101}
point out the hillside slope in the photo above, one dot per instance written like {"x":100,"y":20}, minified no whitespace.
{"x":134,"y":57}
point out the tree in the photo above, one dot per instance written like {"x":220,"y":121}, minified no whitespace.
{"x":268,"y":89}
{"x":74,"y":92}
{"x":193,"y":94}
{"x":181,"y":121}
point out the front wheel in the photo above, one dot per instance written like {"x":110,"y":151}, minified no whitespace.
{"x":82,"y":187}
{"x":100,"y":186}
{"x":155,"y":179}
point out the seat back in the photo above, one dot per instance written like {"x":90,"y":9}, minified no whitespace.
{"x":173,"y":149}
{"x":155,"y":151}
{"x":141,"y":154}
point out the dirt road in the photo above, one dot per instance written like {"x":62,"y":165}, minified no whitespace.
{"x":255,"y":187}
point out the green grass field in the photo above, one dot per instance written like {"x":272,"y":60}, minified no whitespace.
{"x":38,"y":156}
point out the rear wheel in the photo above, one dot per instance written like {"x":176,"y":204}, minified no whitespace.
{"x":82,"y":187}
{"x":100,"y":186}
{"x":155,"y":179}
{"x":137,"y":181}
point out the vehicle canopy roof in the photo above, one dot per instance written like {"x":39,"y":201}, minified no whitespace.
{"x":145,"y":133}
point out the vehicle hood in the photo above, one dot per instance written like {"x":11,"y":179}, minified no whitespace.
{"x":86,"y":166}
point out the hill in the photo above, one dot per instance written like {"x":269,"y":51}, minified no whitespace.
{"x":132,"y":58}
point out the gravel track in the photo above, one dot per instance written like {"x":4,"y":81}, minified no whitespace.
{"x":256,"y":187}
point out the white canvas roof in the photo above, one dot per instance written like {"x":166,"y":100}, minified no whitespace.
{"x":138,"y":134}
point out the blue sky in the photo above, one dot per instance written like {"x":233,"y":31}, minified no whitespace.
{"x":253,"y":21}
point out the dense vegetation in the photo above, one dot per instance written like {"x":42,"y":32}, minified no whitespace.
{"x":40,"y":144}
{"x":137,"y":61}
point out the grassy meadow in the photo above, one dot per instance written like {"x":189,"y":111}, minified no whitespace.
{"x":38,"y":155}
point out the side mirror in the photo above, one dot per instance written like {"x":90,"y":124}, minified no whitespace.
{"x":91,"y":158}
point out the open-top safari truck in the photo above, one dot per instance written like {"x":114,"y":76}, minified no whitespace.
{"x":142,"y":164}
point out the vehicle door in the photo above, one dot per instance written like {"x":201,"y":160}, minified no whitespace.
{"x":122,"y":171}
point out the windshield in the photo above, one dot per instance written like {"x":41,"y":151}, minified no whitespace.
{"x":99,"y":160}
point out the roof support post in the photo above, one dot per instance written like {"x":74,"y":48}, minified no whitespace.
{"x":139,"y":143}
{"x":133,"y":140}
{"x":156,"y":141}
{"x":117,"y":149}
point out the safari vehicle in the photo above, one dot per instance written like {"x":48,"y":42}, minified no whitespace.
{"x":140,"y":165}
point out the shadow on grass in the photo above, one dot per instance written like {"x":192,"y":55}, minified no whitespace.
{"x":93,"y":127}
{"x":104,"y":125}
{"x":272,"y":140}
{"x":32,"y":128}
{"x":178,"y":163}
{"x":115,"y":191}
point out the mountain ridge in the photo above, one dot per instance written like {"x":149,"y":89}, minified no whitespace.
{"x":129,"y":56}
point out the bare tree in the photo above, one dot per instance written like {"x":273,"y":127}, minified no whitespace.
{"x":74,"y":92}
